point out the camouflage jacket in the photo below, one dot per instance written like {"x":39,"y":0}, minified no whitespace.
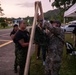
{"x":55,"y":44}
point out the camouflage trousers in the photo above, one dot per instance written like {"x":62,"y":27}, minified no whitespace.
{"x":15,"y":63}
{"x":21,"y":59}
{"x":53,"y":63}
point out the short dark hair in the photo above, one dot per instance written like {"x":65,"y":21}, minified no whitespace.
{"x":20,"y":22}
{"x":58,"y":22}
{"x":51,"y":22}
{"x":15,"y":25}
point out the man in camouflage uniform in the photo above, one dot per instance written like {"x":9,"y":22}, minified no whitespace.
{"x":55,"y":48}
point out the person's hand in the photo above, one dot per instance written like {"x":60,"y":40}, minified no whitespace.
{"x":47,"y":31}
{"x":40,"y":27}
{"x":28,"y":44}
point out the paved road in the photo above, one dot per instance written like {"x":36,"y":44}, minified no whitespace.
{"x":7,"y":60}
{"x":7,"y":54}
{"x":4,"y":35}
{"x":5,"y":31}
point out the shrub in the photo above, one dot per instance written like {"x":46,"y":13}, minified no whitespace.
{"x":3,"y":24}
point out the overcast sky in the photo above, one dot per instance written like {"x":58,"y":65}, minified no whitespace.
{"x":22,"y":8}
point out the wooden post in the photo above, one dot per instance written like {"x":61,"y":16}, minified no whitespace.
{"x":32,"y":37}
{"x":41,"y":10}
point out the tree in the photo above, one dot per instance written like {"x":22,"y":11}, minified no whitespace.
{"x":2,"y":19}
{"x":28,"y":20}
{"x":1,"y":11}
{"x":63,"y":4}
{"x":4,"y":24}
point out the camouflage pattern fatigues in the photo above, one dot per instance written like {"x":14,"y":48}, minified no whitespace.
{"x":21,"y":55}
{"x":55,"y":50}
{"x":15,"y":64}
{"x":21,"y":58}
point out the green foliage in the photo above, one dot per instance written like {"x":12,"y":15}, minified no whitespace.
{"x":1,"y":11}
{"x":56,"y":14}
{"x":68,"y":62}
{"x":36,"y":67}
{"x":28,"y":20}
{"x":2,"y":19}
{"x":3,"y":24}
{"x":64,"y":4}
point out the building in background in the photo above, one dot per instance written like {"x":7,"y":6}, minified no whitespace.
{"x":16,"y":21}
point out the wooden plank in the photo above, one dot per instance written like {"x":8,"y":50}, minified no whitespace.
{"x":31,"y":41}
{"x":41,"y":10}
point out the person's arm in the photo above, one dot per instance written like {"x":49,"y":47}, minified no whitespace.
{"x":49,"y":27}
{"x":23,"y":44}
{"x":12,"y":36}
{"x":54,"y":30}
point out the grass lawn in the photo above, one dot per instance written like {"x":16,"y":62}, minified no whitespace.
{"x":6,"y":27}
{"x":68,"y":65}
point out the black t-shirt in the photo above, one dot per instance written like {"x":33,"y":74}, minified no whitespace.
{"x":22,"y":35}
{"x":12,"y":33}
{"x":40,"y":36}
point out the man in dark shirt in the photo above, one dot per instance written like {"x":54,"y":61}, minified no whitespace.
{"x":12,"y":34}
{"x":22,"y":43}
{"x":40,"y":39}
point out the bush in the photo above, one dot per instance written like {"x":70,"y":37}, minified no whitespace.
{"x":3,"y":24}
